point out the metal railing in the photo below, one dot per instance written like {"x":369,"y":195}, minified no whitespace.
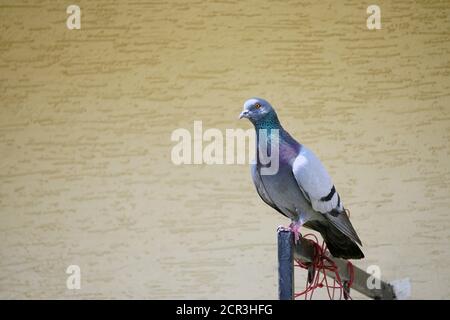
{"x":304,"y":250}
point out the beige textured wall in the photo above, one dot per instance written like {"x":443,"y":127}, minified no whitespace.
{"x":86,"y":118}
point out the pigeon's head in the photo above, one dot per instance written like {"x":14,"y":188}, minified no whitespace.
{"x":255,"y":109}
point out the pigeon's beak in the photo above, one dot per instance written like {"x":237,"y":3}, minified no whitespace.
{"x":244,"y":114}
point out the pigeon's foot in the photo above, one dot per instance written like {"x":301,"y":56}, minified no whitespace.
{"x":295,"y":227}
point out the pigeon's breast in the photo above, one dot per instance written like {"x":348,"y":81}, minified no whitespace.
{"x":283,"y":190}
{"x":281,"y":186}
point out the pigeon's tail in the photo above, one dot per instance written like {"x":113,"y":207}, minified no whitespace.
{"x":339,"y":245}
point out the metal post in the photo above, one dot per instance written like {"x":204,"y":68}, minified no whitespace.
{"x":285,"y":265}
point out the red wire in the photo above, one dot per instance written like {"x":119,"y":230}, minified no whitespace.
{"x":322,"y":263}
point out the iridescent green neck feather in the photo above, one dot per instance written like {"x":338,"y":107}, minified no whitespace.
{"x":269,"y":121}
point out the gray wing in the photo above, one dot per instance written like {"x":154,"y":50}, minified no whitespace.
{"x":261,"y":189}
{"x":315,"y":182}
{"x":318,"y":188}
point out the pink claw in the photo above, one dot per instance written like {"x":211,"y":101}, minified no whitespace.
{"x":295,"y":227}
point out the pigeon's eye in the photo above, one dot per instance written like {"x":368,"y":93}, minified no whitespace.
{"x":257,"y":106}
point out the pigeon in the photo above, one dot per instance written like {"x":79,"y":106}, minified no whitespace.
{"x":301,"y":188}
